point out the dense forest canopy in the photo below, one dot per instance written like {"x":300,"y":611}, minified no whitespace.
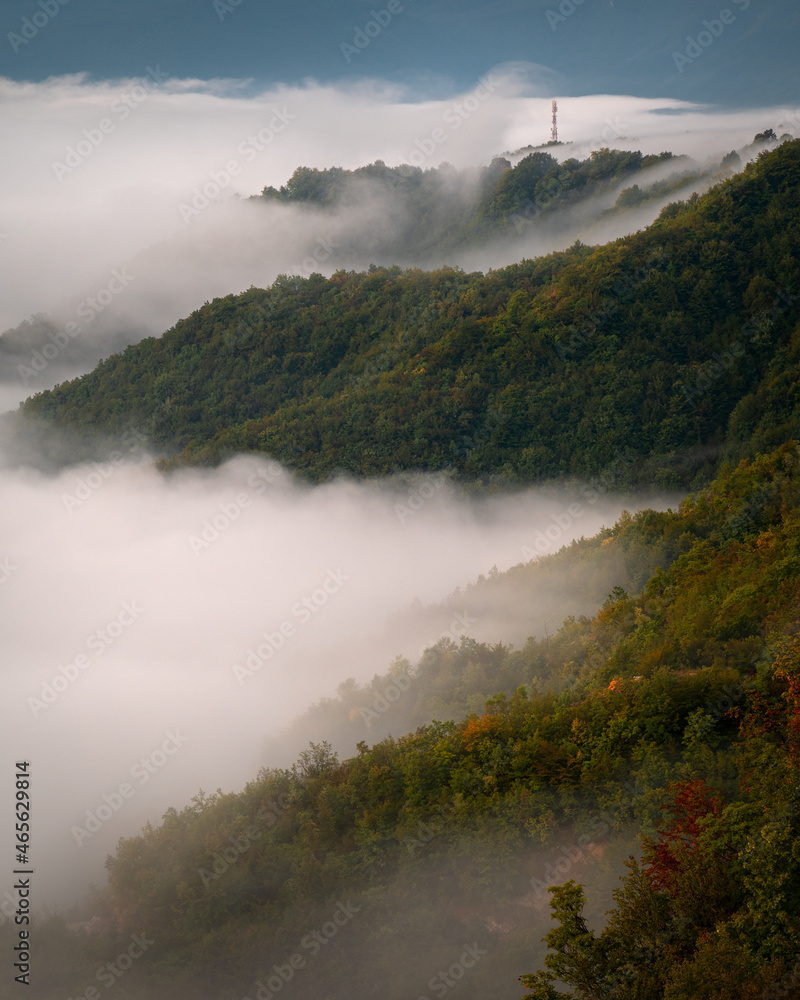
{"x":443,"y":209}
{"x":349,"y":218}
{"x":678,"y":343}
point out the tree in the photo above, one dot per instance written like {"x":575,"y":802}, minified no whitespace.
{"x":319,"y":759}
{"x":578,"y":958}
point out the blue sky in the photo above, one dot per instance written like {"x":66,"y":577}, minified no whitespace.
{"x":434,"y":46}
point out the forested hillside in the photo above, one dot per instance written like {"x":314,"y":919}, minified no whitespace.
{"x":674,"y":712}
{"x":400,"y":215}
{"x":679,"y":344}
{"x":483,"y":774}
{"x":443,"y":209}
{"x":457,"y":675}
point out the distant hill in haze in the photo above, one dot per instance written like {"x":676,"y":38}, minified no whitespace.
{"x":442,"y":210}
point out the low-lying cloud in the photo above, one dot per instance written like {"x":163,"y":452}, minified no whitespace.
{"x":96,"y":173}
{"x":157,"y":629}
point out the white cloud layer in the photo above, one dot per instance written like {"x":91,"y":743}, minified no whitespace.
{"x":96,"y":172}
{"x":217,"y":605}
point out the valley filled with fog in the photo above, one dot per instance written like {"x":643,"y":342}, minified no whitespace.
{"x":162,"y":629}
{"x":220,"y":605}
{"x":400,"y":495}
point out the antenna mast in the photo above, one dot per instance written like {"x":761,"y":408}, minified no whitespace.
{"x":554,"y":128}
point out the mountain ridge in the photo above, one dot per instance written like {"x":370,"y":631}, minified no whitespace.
{"x":547,"y":368}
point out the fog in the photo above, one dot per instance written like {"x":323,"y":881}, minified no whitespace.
{"x":215,"y":605}
{"x":104,"y":189}
{"x":158,"y":628}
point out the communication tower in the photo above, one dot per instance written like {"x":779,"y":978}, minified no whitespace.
{"x":554,"y":127}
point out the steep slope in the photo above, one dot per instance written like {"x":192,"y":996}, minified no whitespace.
{"x":347,"y":219}
{"x":665,"y":344}
{"x":363,"y":878}
{"x":456,"y":675}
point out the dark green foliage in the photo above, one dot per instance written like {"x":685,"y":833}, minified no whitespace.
{"x":676,"y":345}
{"x":673,"y":711}
{"x":768,"y":135}
{"x":443,"y":209}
